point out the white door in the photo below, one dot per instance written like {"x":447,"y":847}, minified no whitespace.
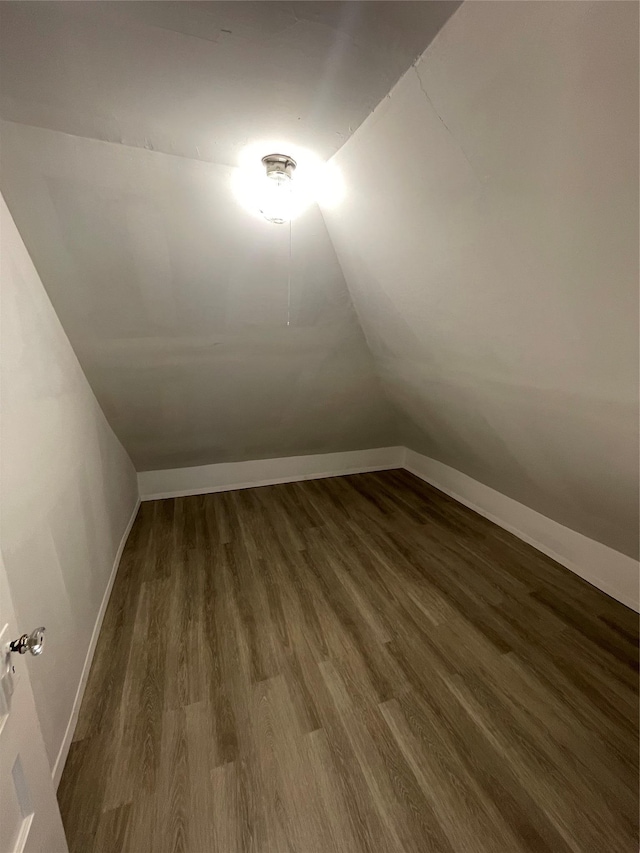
{"x":29,"y":815}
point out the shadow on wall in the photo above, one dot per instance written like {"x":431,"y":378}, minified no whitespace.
{"x":489,"y":238}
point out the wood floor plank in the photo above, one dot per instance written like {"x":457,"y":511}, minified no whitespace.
{"x":366,"y":753}
{"x":453,"y":794}
{"x":352,"y":665}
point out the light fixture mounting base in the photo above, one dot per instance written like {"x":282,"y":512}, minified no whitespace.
{"x":279,"y":164}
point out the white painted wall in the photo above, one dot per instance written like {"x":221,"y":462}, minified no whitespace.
{"x":175,"y":300}
{"x":67,"y":487}
{"x":489,"y":239}
{"x":225,"y":476}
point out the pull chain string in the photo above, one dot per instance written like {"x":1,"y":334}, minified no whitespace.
{"x":289,"y":281}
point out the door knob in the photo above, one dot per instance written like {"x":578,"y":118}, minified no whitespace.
{"x":33,"y":642}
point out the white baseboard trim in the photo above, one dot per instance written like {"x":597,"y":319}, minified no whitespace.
{"x":225,"y":476}
{"x":77,"y":702}
{"x":609,"y":570}
{"x":612,"y":572}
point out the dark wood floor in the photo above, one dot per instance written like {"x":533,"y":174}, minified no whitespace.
{"x":354,"y":664}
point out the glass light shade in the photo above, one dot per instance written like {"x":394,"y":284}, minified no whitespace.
{"x":276,"y":201}
{"x":268,"y":186}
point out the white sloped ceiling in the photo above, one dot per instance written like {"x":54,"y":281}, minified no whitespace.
{"x":489,"y":239}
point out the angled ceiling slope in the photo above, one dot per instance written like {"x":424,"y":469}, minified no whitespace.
{"x":490,"y":242}
{"x":206,"y":334}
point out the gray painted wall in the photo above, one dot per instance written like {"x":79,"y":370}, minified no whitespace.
{"x":489,"y":238}
{"x":67,"y":486}
{"x":176,"y":303}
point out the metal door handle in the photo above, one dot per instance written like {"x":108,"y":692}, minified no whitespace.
{"x":33,"y":642}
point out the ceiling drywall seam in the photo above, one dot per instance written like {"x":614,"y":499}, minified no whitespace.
{"x":440,"y":118}
{"x":366,"y":124}
{"x":393,"y":409}
{"x":395,"y":415}
{"x":398,"y":417}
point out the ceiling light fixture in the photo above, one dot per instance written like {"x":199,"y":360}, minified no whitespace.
{"x":276,"y":199}
{"x":280,"y":187}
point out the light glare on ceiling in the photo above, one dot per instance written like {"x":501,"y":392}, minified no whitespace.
{"x":279,"y":187}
